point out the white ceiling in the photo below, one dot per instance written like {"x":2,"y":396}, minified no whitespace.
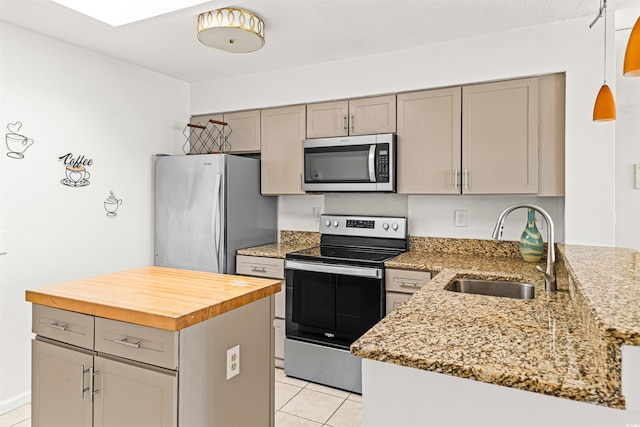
{"x":297,"y":32}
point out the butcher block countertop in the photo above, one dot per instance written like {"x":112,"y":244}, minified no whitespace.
{"x":164,"y":298}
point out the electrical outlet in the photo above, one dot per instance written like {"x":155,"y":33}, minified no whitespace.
{"x":637,"y":169}
{"x":317,"y":211}
{"x":460,"y":218}
{"x":233,"y":362}
{"x":540,"y":222}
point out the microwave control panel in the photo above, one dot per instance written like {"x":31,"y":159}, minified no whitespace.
{"x":382,"y":156}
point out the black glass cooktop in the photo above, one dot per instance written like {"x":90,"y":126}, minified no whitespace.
{"x":337,"y":254}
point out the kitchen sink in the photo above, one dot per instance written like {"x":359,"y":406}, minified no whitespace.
{"x":497,"y":288}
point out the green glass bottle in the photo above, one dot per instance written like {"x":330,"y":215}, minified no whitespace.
{"x":531,"y":243}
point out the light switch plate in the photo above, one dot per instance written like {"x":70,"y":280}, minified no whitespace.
{"x":637,"y":168}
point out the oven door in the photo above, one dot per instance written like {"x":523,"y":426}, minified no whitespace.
{"x":332,"y":304}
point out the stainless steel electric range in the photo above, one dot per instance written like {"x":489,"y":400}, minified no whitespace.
{"x":335,"y":293}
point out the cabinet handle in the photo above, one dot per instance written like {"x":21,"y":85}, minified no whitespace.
{"x":92,"y":374}
{"x":456,"y":184}
{"x":56,"y":326}
{"x":259,"y":269}
{"x":352,"y":119}
{"x":410,"y":283}
{"x":82,"y":387}
{"x":126,"y":342}
{"x":465,"y":179}
{"x":344,"y":122}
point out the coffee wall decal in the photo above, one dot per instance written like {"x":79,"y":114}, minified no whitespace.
{"x":17,"y":143}
{"x":111,"y":204}
{"x":76,"y":173}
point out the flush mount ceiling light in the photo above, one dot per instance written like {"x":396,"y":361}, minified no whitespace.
{"x":632,"y":56}
{"x":231,"y":29}
{"x":605,"y":107}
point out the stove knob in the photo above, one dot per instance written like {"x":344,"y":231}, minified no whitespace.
{"x":336,"y":223}
{"x":385,"y":226}
{"x":395,"y":227}
{"x":327,"y":223}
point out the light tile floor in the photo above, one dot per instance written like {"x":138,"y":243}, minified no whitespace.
{"x":297,"y":404}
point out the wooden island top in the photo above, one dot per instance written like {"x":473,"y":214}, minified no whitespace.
{"x":159,"y":297}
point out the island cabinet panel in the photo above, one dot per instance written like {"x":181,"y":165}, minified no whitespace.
{"x":429,"y":138}
{"x":361,"y":116}
{"x":500,"y":137}
{"x":243,"y":130}
{"x":127,"y":395}
{"x":283,"y":130}
{"x":59,"y":378}
{"x":272,"y":268}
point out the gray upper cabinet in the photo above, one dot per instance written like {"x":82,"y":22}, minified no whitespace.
{"x":429,"y":141}
{"x":283,"y":130}
{"x":362,"y":116}
{"x":245,"y":129}
{"x":494,"y":138}
{"x":500,"y":137}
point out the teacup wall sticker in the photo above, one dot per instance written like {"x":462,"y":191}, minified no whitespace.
{"x":111,"y":204}
{"x":76,"y":173}
{"x":17,"y":143}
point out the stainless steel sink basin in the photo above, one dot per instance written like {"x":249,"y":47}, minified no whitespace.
{"x":497,"y":288}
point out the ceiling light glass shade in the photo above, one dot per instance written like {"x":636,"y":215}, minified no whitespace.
{"x":605,"y":107}
{"x":631,"y":66}
{"x":231,"y":29}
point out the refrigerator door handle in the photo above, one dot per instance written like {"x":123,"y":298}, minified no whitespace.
{"x":216,"y":219}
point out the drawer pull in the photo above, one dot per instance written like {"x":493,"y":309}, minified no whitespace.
{"x":126,"y":342}
{"x":259,"y":269}
{"x":412,"y":284}
{"x":56,"y":326}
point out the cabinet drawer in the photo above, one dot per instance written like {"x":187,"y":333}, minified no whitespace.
{"x":62,"y":325}
{"x":260,"y":266}
{"x":395,"y":299}
{"x":141,"y":343}
{"x":406,"y":281}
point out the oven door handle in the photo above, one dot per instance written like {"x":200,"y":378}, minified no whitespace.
{"x":346,"y":270}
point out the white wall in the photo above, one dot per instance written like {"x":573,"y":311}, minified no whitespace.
{"x":73,"y":100}
{"x":627,"y":126}
{"x":558,"y":47}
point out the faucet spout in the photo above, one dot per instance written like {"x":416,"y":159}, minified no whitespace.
{"x":550,"y":283}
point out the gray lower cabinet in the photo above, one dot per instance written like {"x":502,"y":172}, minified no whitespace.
{"x":91,"y":371}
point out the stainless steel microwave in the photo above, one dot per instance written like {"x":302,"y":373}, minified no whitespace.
{"x":354,"y":163}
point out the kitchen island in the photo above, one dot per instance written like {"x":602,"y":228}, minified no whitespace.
{"x":565,"y":347}
{"x":154,"y":346}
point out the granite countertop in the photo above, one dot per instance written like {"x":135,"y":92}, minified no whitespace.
{"x":290,"y":241}
{"x":164,"y":298}
{"x":564,"y":343}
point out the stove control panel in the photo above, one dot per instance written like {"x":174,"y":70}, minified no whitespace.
{"x":365,"y":226}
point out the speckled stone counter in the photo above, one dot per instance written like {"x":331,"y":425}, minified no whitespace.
{"x":290,"y":241}
{"x":554,"y":344}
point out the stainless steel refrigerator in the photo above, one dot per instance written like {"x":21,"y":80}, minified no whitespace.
{"x":207,"y":207}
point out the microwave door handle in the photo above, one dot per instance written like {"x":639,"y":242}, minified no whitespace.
{"x":372,"y":163}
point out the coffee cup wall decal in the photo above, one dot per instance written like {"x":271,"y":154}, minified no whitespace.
{"x":76,"y":173}
{"x":111,"y":204}
{"x":17,"y":144}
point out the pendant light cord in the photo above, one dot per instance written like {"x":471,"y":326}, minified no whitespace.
{"x":605,"y":42}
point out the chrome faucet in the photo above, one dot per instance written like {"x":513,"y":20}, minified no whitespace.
{"x":550,"y":273}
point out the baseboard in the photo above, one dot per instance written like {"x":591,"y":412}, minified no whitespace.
{"x":15,"y":402}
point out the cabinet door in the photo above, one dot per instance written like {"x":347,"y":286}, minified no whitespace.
{"x":327,"y":119}
{"x":372,"y":115}
{"x":395,"y":300}
{"x":283,"y":130}
{"x":429,"y":138}
{"x":500,"y":137}
{"x":59,"y":378}
{"x":134,"y":396}
{"x":245,"y":131}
